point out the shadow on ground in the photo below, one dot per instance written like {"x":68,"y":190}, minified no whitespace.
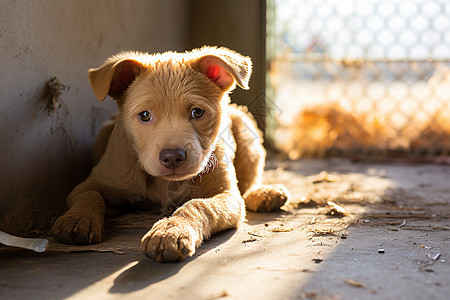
{"x":146,"y":272}
{"x":302,"y":252}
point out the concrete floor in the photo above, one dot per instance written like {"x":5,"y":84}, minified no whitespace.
{"x":301,"y":252}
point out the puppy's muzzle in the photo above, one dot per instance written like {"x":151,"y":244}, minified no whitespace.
{"x":172,"y":158}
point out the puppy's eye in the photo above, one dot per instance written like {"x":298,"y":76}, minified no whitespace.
{"x":145,"y":116}
{"x":197,"y":113}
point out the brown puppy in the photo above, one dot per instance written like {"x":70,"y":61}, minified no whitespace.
{"x":177,"y":142}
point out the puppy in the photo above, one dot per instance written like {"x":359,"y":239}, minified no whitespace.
{"x":176,"y":142}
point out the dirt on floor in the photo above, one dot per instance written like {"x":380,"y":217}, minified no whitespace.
{"x":351,"y":231}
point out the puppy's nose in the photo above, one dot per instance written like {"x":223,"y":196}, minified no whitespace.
{"x":172,"y":158}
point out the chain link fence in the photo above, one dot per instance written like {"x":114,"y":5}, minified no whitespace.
{"x":366,"y":79}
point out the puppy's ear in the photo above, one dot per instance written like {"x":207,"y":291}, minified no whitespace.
{"x":225,"y":67}
{"x":114,"y":77}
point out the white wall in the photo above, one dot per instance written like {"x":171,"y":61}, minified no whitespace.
{"x":44,"y":155}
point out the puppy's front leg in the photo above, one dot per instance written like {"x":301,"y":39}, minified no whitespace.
{"x":83,"y":223}
{"x":177,"y":236}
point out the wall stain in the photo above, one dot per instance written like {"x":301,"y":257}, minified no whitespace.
{"x":51,"y":96}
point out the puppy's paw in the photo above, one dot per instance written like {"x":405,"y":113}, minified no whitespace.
{"x":265,"y":198}
{"x":170,"y":239}
{"x":78,"y":229}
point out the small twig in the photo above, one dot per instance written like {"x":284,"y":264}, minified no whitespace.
{"x":254,"y":234}
{"x":282,"y":229}
{"x":249,"y":240}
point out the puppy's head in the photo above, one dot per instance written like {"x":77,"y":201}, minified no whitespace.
{"x":171,"y":104}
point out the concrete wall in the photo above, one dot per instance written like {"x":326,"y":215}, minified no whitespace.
{"x":44,"y":154}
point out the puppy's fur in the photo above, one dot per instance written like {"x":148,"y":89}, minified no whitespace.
{"x":176,"y":142}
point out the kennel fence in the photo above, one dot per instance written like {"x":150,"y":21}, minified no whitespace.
{"x":365,"y":79}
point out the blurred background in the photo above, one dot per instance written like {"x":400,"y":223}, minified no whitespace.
{"x":363,"y":79}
